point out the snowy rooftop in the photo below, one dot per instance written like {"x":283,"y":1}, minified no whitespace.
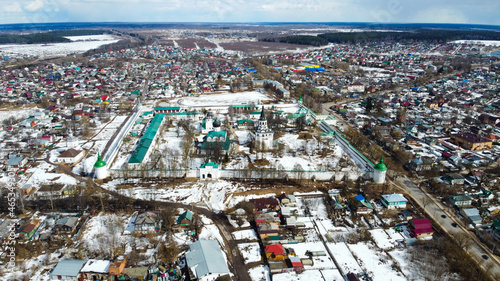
{"x":97,"y":266}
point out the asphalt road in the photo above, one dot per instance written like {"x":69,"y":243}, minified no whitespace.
{"x":435,"y":210}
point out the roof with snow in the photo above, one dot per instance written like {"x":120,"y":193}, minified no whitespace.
{"x":394,"y":198}
{"x":68,"y":268}
{"x":205,"y":257}
{"x":96,"y":266}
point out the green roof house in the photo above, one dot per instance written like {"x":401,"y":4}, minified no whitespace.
{"x":185,"y":219}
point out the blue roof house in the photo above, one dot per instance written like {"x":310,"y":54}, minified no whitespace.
{"x":205,"y":260}
{"x":393,"y":201}
{"x":67,"y":270}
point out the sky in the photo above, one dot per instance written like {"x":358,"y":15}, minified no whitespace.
{"x":376,"y":11}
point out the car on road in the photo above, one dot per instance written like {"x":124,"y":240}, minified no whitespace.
{"x":443,"y":216}
{"x":485,"y":257}
{"x":454,"y":224}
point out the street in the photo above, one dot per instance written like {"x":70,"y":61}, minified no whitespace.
{"x":435,"y":210}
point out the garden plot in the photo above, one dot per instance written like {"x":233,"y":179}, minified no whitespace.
{"x":377,"y":264}
{"x":248,"y":234}
{"x":320,"y":262}
{"x":250,"y":252}
{"x":344,"y":258}
{"x":304,"y":276}
{"x":238,"y":218}
{"x":260,"y":273}
{"x":381,"y":238}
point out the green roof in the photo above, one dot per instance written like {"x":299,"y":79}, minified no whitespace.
{"x":210,"y":164}
{"x":244,"y":106}
{"x":99,"y":163}
{"x":167,"y":108}
{"x":146,"y":140}
{"x":187,"y":215}
{"x":242,"y":121}
{"x":496,"y":225}
{"x":381,"y":166}
{"x":221,"y":134}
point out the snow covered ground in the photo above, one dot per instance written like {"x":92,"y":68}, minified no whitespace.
{"x":477,"y":42}
{"x":250,"y":252}
{"x":245,"y":234}
{"x":222,"y":99}
{"x":260,"y":273}
{"x":79,"y":44}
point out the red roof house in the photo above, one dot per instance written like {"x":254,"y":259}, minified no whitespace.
{"x":275,"y":251}
{"x":421,"y":228}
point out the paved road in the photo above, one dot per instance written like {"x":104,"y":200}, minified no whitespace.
{"x":435,"y":209}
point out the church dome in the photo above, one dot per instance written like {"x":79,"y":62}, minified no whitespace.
{"x":217,"y":123}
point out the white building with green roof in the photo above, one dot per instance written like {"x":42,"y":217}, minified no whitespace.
{"x":101,"y":172}
{"x":380,"y":171}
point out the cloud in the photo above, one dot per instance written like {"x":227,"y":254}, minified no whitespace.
{"x":400,"y":11}
{"x":13,"y":8}
{"x":35,"y":5}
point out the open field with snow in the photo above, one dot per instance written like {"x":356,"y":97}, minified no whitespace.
{"x":80,"y":44}
{"x":222,"y":99}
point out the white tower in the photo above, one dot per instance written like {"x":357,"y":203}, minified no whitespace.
{"x":263,"y":135}
{"x":207,"y":123}
{"x":101,"y":172}
{"x":380,"y":170}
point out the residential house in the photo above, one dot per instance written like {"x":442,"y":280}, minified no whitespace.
{"x":460,"y":200}
{"x":116,"y":268}
{"x":262,"y":204}
{"x":472,"y":214}
{"x":454,"y":179}
{"x":26,"y":231}
{"x":420,"y":164}
{"x":14,"y":162}
{"x":66,"y":225}
{"x":393,"y":201}
{"x":205,"y":260}
{"x":50,"y":190}
{"x":70,"y":156}
{"x":471,"y":141}
{"x":295,"y":263}
{"x":148,"y":222}
{"x":356,"y":87}
{"x":275,"y":252}
{"x":26,"y":189}
{"x":96,"y":269}
{"x":68,"y":270}
{"x":264,"y":218}
{"x":420,"y":228}
{"x":185,"y":219}
{"x":363,"y":206}
{"x":284,"y":199}
{"x":268,"y":229}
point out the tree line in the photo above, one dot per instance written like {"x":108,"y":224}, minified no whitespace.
{"x":424,"y":35}
{"x":299,"y":39}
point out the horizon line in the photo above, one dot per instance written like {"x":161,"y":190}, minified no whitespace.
{"x":252,"y":22}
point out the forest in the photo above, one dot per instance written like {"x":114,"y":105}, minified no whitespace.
{"x":299,"y":39}
{"x":46,"y":37}
{"x":422,"y":35}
